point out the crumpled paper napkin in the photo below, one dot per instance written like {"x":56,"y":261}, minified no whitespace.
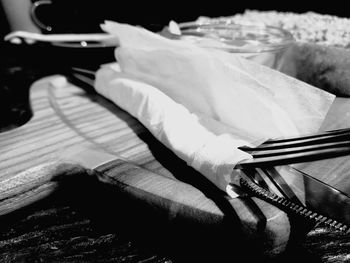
{"x":203,"y":104}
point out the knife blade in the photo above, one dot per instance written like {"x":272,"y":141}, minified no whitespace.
{"x":301,"y":194}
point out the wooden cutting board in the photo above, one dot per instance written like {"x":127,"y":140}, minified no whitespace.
{"x":66,"y":117}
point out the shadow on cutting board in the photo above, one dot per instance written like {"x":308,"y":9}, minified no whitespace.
{"x":86,"y":220}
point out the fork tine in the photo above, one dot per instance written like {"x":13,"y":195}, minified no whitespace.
{"x":285,"y":149}
{"x":329,"y":133}
{"x":315,"y":139}
{"x":306,"y":148}
{"x":297,"y":157}
{"x":302,"y":149}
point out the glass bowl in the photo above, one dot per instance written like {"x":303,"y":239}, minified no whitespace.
{"x":263,"y":44}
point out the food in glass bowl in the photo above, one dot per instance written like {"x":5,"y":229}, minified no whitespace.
{"x":263,"y":44}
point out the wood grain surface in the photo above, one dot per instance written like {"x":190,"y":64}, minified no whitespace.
{"x":148,"y":206}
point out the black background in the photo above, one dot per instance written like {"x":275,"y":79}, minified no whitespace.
{"x":85,"y":16}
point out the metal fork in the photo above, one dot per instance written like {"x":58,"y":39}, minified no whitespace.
{"x":311,"y":147}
